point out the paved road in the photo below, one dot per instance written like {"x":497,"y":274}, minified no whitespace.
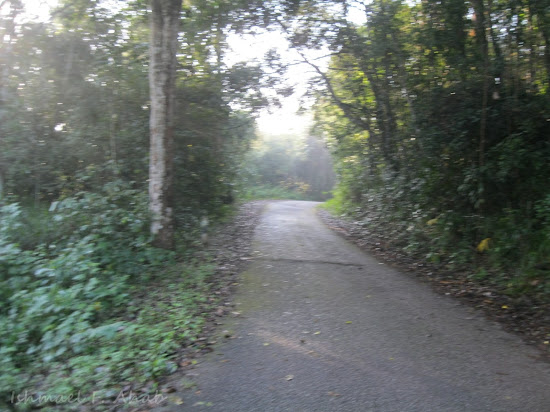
{"x":325,"y":327}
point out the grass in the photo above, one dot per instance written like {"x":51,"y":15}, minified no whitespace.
{"x":336,"y":205}
{"x":265,"y":192}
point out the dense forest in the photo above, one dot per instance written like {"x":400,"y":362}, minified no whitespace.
{"x":437,"y":114}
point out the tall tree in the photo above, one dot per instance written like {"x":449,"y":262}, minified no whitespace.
{"x":165,"y":20}
{"x":6,"y":45}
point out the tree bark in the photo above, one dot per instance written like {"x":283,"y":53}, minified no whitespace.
{"x":165,"y":19}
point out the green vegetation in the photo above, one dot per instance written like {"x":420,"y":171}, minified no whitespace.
{"x":262,"y":192}
{"x":87,"y":304}
{"x":95,"y":308}
{"x":437,"y":115}
{"x":287,"y":167}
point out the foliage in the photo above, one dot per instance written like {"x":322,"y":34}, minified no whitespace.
{"x":74,"y":96}
{"x":80,"y":284}
{"x":271,"y":192}
{"x":76,"y":314}
{"x":438,"y":117}
{"x":287,"y":166}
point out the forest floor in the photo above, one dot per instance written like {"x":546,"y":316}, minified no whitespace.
{"x":293,"y":285}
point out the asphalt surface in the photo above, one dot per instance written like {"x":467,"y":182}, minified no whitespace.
{"x":325,"y":327}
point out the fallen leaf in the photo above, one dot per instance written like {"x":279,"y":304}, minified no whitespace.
{"x":317,"y":333}
{"x":289,"y":377}
{"x":504,"y":306}
{"x":331,"y":393}
{"x":176,"y":400}
{"x":267,"y":344}
{"x":348,"y":322}
{"x":484,"y":245}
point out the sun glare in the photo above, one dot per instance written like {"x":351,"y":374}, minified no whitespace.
{"x":38,"y":10}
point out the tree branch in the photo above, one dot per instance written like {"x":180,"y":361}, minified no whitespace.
{"x":347,"y":108}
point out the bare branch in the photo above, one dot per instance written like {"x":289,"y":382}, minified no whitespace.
{"x":347,"y":108}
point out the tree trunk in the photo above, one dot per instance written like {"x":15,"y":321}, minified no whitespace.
{"x":481,"y":36}
{"x":6,"y":52}
{"x":544,"y":24}
{"x":165,"y":19}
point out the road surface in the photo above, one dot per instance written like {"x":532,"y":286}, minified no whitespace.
{"x":325,"y":327}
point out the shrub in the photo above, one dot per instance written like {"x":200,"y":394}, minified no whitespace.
{"x":60,"y":300}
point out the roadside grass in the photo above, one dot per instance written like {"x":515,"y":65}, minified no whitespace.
{"x":334,"y":206}
{"x":266,"y":192}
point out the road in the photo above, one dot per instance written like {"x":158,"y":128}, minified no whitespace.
{"x":325,"y":327}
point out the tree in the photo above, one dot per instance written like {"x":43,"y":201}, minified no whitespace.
{"x":165,"y":20}
{"x":439,"y":109}
{"x":6,"y":46}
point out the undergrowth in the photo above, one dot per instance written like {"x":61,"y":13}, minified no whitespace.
{"x":89,"y":308}
{"x":505,"y":250}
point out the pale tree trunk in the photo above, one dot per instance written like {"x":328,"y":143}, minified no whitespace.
{"x":5,"y":66}
{"x":4,"y":98}
{"x":165,"y":22}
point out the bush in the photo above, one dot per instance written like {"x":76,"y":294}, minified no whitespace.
{"x":62,"y":302}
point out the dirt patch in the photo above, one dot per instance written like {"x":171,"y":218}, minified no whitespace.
{"x":523,"y":316}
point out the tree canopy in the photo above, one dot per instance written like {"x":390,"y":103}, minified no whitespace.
{"x":438,"y":113}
